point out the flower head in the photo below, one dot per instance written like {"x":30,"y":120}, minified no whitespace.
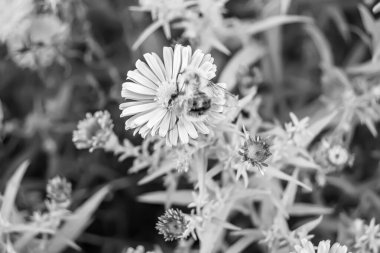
{"x":38,"y":42}
{"x":59,"y":191}
{"x":323,"y":247}
{"x":94,"y":131}
{"x":172,"y":224}
{"x":173,"y":98}
{"x":255,"y":151}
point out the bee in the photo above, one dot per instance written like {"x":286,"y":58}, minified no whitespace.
{"x":198,"y":105}
{"x":201,"y":96}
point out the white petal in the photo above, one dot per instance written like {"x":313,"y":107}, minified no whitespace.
{"x":161,"y":65}
{"x":122,"y":106}
{"x":202,"y":127}
{"x":146,"y":71}
{"x":176,"y":60}
{"x":144,"y":117}
{"x":144,"y":131}
{"x":135,"y":96}
{"x":137,"y":77}
{"x":168,"y":61}
{"x":129,"y":122}
{"x":190,"y":128}
{"x":173,"y":134}
{"x":137,"y":109}
{"x":153,"y":64}
{"x":206,"y":67}
{"x":137,"y":88}
{"x":164,"y":127}
{"x":156,"y":118}
{"x":185,"y":58}
{"x":183,"y":135}
{"x":197,"y":58}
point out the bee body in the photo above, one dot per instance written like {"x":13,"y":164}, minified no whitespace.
{"x":198,"y":105}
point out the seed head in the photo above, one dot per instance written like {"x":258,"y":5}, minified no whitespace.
{"x":255,"y":151}
{"x":172,"y":224}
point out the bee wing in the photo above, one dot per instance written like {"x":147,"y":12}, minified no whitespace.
{"x":219,"y":90}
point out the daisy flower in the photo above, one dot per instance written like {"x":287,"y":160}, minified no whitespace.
{"x":173,"y":98}
{"x":323,"y":247}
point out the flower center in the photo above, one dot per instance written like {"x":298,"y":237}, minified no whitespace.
{"x":256,"y":152}
{"x":338,"y":155}
{"x":166,"y":94}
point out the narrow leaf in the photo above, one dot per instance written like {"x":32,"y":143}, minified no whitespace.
{"x":322,"y":45}
{"x":11,"y":191}
{"x":77,"y":223}
{"x":304,"y":209}
{"x":281,"y":175}
{"x":180,"y":197}
{"x":317,"y":126}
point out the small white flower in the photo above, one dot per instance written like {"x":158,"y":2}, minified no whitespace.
{"x":338,"y":155}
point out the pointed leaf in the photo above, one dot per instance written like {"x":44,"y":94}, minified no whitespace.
{"x":281,"y":175}
{"x":77,"y":223}
{"x":166,"y":167}
{"x":11,"y":191}
{"x":180,"y":197}
{"x":304,"y":209}
{"x":316,"y":127}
